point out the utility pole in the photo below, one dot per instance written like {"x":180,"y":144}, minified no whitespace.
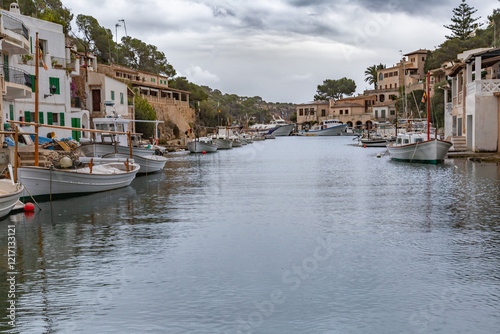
{"x":116,"y":36}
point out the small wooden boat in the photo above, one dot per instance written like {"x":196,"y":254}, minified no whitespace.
{"x":149,"y":164}
{"x":10,"y":193}
{"x":41,"y":181}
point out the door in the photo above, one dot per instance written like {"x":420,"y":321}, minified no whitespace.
{"x":96,"y":100}
{"x":76,"y":123}
{"x":459,"y":125}
{"x":468,"y":133}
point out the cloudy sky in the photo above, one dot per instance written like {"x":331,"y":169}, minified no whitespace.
{"x":279,"y":50}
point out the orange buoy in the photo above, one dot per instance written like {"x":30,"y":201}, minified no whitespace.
{"x":29,"y":207}
{"x":364,"y":146}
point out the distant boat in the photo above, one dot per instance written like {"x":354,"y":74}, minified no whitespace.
{"x":201,"y":145}
{"x":373,"y":142}
{"x":10,"y":193}
{"x":329,"y":127}
{"x":278,"y":127}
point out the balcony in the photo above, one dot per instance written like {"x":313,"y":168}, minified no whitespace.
{"x":15,"y":35}
{"x":17,"y":83}
{"x":483,"y":87}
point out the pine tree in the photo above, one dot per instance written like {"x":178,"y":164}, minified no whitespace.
{"x":463,"y":22}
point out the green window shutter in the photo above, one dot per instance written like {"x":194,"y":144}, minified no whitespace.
{"x":11,"y":112}
{"x":55,"y":82}
{"x":49,"y":118}
{"x":32,"y":83}
{"x":27,"y":116}
{"x":121,"y":98}
{"x":113,"y":95}
{"x":40,"y":117}
{"x":61,"y":119}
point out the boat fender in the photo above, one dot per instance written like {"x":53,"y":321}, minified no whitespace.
{"x":66,"y":162}
{"x":72,"y":146}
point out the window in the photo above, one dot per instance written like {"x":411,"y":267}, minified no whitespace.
{"x":121,"y":98}
{"x":393,"y":112}
{"x":395,"y":73}
{"x":153,"y":80}
{"x":301,"y":112}
{"x":112,"y":95}
{"x":61,"y":119}
{"x":40,"y":117}
{"x":418,"y":140}
{"x":376,"y":113}
{"x":55,"y":82}
{"x":323,"y":112}
{"x":312,"y":112}
{"x":11,"y":112}
{"x":381,"y":77}
{"x":341,"y":112}
{"x":27,"y":116}
{"x":406,"y":141}
{"x":347,"y":112}
{"x":382,"y":113}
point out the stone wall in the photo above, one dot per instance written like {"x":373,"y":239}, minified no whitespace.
{"x":180,"y":115}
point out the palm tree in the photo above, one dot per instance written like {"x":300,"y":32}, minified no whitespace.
{"x":371,"y":74}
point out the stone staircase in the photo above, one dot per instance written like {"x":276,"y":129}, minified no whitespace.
{"x":27,"y":158}
{"x":459,"y":144}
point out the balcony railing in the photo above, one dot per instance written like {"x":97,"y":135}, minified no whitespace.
{"x":15,"y":25}
{"x":16,"y":75}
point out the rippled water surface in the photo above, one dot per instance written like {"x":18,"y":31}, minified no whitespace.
{"x":293,"y":235}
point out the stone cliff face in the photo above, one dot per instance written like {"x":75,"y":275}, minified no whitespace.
{"x":173,"y":114}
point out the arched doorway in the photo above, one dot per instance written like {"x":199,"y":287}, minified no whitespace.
{"x":85,"y":125}
{"x":359,"y":124}
{"x":349,"y":124}
{"x":369,"y":124}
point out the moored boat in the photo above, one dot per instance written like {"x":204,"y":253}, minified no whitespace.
{"x":328,"y":127}
{"x":148,"y":164}
{"x":198,"y":146}
{"x":41,"y":181}
{"x":10,"y":193}
{"x":413,"y":147}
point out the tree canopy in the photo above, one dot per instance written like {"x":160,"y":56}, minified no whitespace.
{"x":335,"y":89}
{"x":463,"y":24}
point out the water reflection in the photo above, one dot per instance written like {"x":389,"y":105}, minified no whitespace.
{"x":197,"y":247}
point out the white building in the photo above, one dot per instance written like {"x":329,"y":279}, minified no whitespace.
{"x":55,"y":106}
{"x":475,"y":90}
{"x":14,"y":82}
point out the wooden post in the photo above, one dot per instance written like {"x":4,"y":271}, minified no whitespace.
{"x":91,"y":164}
{"x":129,"y":135}
{"x":37,"y":70}
{"x":15,"y":153}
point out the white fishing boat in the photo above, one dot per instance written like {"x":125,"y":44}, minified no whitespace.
{"x":222,"y":143}
{"x":278,"y":127}
{"x":43,"y":181}
{"x":105,"y":143}
{"x":10,"y":193}
{"x":201,"y":145}
{"x":414,"y":147}
{"x":419,"y":146}
{"x":329,"y":127}
{"x":148,"y":164}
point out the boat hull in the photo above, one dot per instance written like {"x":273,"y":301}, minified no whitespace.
{"x":98,"y":150}
{"x":200,"y":147}
{"x":9,"y":196}
{"x":149,"y":164}
{"x":432,"y":151}
{"x":223,"y":144}
{"x":333,"y":131}
{"x":42,"y":181}
{"x":373,"y":142}
{"x":282,"y":130}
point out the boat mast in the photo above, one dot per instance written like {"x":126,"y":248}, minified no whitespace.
{"x":428,"y":107}
{"x":37,"y":50}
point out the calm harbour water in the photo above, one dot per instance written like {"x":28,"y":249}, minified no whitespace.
{"x":293,"y":235}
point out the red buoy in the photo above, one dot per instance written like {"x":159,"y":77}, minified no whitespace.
{"x":29,"y":207}
{"x":364,"y":146}
{"x":204,"y":152}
